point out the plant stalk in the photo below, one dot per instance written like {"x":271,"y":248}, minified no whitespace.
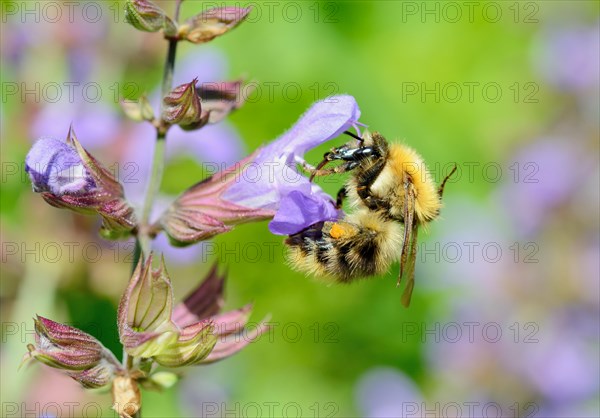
{"x":158,"y":160}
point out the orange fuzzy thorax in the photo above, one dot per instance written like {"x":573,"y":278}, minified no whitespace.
{"x":405,"y":161}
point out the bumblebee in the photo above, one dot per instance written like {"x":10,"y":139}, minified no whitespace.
{"x":392,"y":194}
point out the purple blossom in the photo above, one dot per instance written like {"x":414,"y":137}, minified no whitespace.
{"x":569,"y":57}
{"x":272,"y":180}
{"x":96,"y":123}
{"x":67,"y":176}
{"x":22,"y":36}
{"x":564,"y":368}
{"x":201,"y":388}
{"x":386,"y":392}
{"x":55,"y":166}
{"x":208,"y":65}
{"x":541,"y":187}
{"x":80,"y":103}
{"x":264,"y":185}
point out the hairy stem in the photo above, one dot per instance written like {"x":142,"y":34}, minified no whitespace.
{"x":145,"y":235}
{"x":158,"y":160}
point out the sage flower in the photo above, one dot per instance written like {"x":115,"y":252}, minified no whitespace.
{"x":67,"y":176}
{"x":267,"y":184}
{"x":281,"y":187}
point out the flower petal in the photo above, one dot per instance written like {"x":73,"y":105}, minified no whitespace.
{"x":56,"y":167}
{"x":276,"y":184}
{"x":200,"y":212}
{"x":323,"y":121}
{"x":69,"y":177}
{"x":299,"y":209}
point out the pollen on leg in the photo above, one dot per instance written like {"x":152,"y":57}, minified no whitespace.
{"x":338,"y":231}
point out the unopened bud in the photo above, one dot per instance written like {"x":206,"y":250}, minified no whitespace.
{"x":73,"y":351}
{"x":183,"y":108}
{"x":148,"y":17}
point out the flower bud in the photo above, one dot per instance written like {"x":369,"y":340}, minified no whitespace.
{"x":212,"y":23}
{"x":182,"y":107}
{"x":68,"y":177}
{"x":200,"y":212}
{"x":78,"y":354}
{"x":148,"y":17}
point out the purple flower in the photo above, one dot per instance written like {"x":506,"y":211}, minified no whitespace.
{"x":564,"y":367}
{"x":569,"y":57}
{"x":386,"y":392}
{"x":540,"y":187}
{"x":69,"y":177}
{"x":96,"y":123}
{"x":276,"y":183}
{"x":55,"y":167}
{"x":264,"y":185}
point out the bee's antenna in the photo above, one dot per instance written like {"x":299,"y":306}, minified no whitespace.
{"x":441,"y":188}
{"x":354,"y":136}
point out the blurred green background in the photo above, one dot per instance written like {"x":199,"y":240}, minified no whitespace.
{"x":493,"y":86}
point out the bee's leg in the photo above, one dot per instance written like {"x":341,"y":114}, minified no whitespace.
{"x":318,"y":171}
{"x":380,"y":150}
{"x":340,"y":198}
{"x":364,"y":183}
{"x":351,"y":156}
{"x":346,"y":153}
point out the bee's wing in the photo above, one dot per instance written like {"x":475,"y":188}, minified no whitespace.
{"x":410,"y":268}
{"x":409,"y":249}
